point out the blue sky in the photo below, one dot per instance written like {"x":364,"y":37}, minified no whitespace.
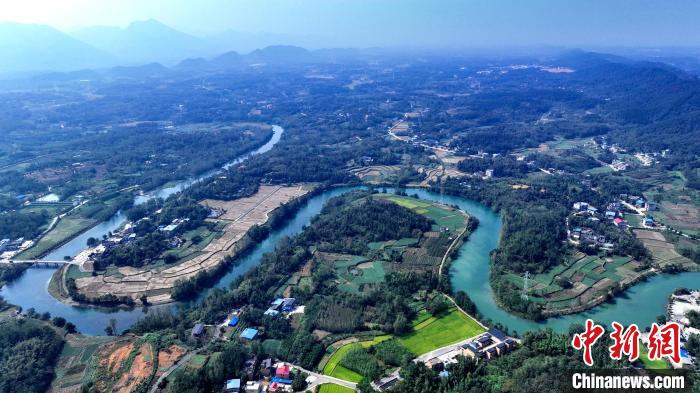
{"x":446,"y":23}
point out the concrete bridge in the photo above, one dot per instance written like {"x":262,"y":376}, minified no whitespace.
{"x":39,"y":262}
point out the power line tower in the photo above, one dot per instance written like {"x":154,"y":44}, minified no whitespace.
{"x":526,"y":278}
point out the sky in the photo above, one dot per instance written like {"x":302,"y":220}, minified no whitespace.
{"x":364,"y":23}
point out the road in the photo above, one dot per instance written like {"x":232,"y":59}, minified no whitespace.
{"x":183,"y":360}
{"x":449,"y":250}
{"x":393,"y":135}
{"x":441,"y":351}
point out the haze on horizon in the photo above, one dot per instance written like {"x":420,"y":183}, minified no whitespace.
{"x":399,"y":23}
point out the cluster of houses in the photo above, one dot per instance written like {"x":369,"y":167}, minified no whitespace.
{"x":485,"y":347}
{"x":11,"y":247}
{"x":618,"y":165}
{"x":173,"y":226}
{"x":281,"y":305}
{"x":489,"y":345}
{"x":649,"y":159}
{"x":275,"y":377}
{"x":588,"y":237}
{"x":614,"y":214}
{"x":584,"y":236}
{"x":122,"y":237}
{"x":680,"y":303}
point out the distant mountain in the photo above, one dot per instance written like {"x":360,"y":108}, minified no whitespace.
{"x":228,"y":59}
{"x":280,"y":54}
{"x":149,"y":70}
{"x":245,"y":42}
{"x":144,"y":42}
{"x":33,"y":48}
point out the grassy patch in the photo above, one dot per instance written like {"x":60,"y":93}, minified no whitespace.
{"x":436,"y":332}
{"x":66,"y":229}
{"x":333,"y":367}
{"x":658,"y":364}
{"x":332,"y":388}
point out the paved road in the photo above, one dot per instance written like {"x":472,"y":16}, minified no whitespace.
{"x":441,"y":351}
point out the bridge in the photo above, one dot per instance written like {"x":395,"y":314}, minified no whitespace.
{"x":39,"y":262}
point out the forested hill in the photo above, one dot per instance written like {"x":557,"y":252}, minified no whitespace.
{"x":348,"y":227}
{"x":661,"y":103}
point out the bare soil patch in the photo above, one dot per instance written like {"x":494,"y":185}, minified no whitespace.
{"x":168,"y":357}
{"x":140,"y":370}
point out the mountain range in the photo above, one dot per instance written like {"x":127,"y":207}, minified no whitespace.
{"x":35,"y":48}
{"x":38,"y":48}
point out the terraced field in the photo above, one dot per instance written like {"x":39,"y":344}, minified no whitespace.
{"x":662,"y":251}
{"x":590,"y":278}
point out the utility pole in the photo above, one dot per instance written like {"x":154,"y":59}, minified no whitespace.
{"x":526,"y":277}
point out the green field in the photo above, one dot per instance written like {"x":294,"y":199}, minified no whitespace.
{"x":333,"y":367}
{"x":659,"y":364}
{"x":433,"y":333}
{"x":198,"y":361}
{"x":332,"y":388}
{"x":67,"y":228}
{"x":353,"y":276}
{"x":429,"y":333}
{"x":443,"y":217}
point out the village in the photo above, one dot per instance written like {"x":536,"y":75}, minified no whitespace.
{"x":273,"y":375}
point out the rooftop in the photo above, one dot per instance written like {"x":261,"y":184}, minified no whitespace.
{"x":249,"y":333}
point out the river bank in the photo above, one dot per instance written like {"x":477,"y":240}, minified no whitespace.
{"x":469,"y":271}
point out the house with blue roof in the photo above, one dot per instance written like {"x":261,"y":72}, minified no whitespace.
{"x":233,"y":386}
{"x":249,"y":334}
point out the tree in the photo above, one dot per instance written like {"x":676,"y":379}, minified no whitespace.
{"x":71,"y":328}
{"x":465,"y":302}
{"x":437,"y":305}
{"x":59,"y":321}
{"x":111,"y":329}
{"x":401,"y":325}
{"x":144,"y":300}
{"x":299,"y":382}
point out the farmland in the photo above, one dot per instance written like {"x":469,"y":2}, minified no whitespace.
{"x":156,"y":280}
{"x":663,"y":252}
{"x":332,"y":366}
{"x":428,"y":333}
{"x":332,"y":388}
{"x":65,"y":229}
{"x":436,"y":332}
{"x":378,"y":174}
{"x":74,"y":362}
{"x":584,"y":281}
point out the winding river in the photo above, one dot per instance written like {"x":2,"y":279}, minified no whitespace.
{"x":31,"y":290}
{"x":469,"y":271}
